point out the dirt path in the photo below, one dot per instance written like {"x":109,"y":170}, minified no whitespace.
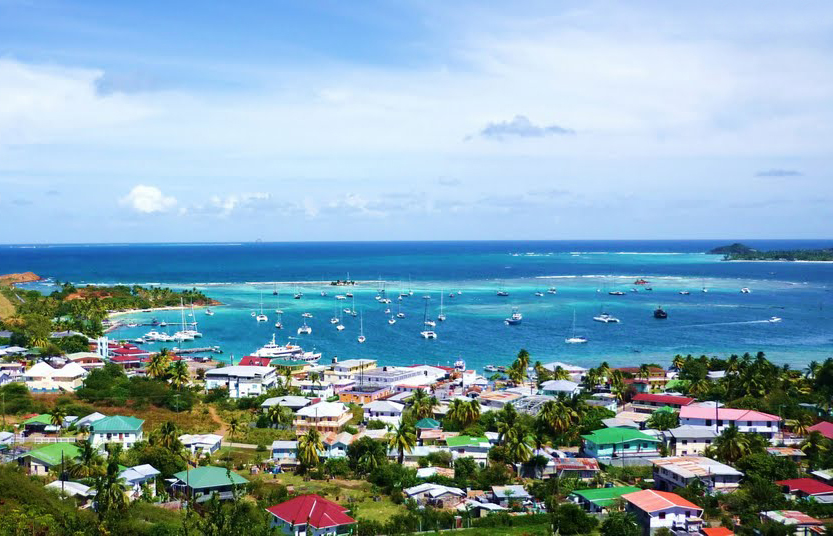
{"x":223,"y":427}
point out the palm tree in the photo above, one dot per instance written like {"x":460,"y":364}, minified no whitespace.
{"x":167,"y":435}
{"x":456,"y":411}
{"x":179,"y":374}
{"x":159,"y":363}
{"x":523,"y":359}
{"x":309,"y":445}
{"x":88,"y":463}
{"x":812,"y":369}
{"x":402,"y":439}
{"x":472,"y":411}
{"x":700,"y":387}
{"x":287,"y":377}
{"x":279,"y":415}
{"x":517,"y":448}
{"x":814,"y":445}
{"x":678,"y":362}
{"x":57,"y":418}
{"x":110,"y":496}
{"x":507,"y":418}
{"x":516,"y":374}
{"x":644,"y":371}
{"x":560,"y":374}
{"x":234,"y":426}
{"x":604,"y":370}
{"x":592,"y":378}
{"x":558,"y":416}
{"x":730,"y":446}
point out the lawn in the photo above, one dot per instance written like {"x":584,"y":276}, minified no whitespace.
{"x":353,"y":494}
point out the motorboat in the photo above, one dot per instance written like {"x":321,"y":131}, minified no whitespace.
{"x":428,"y":334}
{"x":391,"y":321}
{"x":306,"y":315}
{"x":659,"y":312}
{"x":515,"y":319}
{"x":539,"y":294}
{"x":745,"y":290}
{"x":387,"y":311}
{"x":451,"y":295}
{"x":323,"y":293}
{"x":430,"y":323}
{"x":278,"y":325}
{"x":132,"y":324}
{"x":640,"y":281}
{"x":348,"y":294}
{"x":334,"y":320}
{"x":684,"y":292}
{"x":616,"y":293}
{"x":341,"y":297}
{"x":490,"y":368}
{"x":340,"y":327}
{"x":606,"y":318}
{"x":297,"y":296}
{"x":254,"y":314}
{"x":347,"y":310}
{"x":209,"y":312}
{"x":552,"y":290}
{"x":775,"y":319}
{"x":502,"y":293}
{"x":162,"y":324}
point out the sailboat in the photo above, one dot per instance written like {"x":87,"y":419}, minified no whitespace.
{"x":340,"y":326}
{"x":279,"y":323}
{"x":275,"y":292}
{"x":305,"y":329}
{"x":410,"y":292}
{"x":427,"y":321}
{"x":279,"y":310}
{"x":574,"y":339}
{"x":428,"y":333}
{"x":353,"y":312}
{"x":334,"y":319}
{"x":262,"y":317}
{"x":361,"y":337}
{"x":391,"y":320}
{"x":399,"y":313}
{"x":501,"y":291}
{"x":441,"y":316}
{"x":704,"y":289}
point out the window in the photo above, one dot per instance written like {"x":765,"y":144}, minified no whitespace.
{"x":662,"y":515}
{"x":685,"y":441}
{"x":708,"y":422}
{"x":748,"y":423}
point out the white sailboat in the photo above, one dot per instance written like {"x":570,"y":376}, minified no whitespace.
{"x":441,"y":316}
{"x":261,"y":317}
{"x":279,"y":310}
{"x":391,"y":320}
{"x":361,"y":337}
{"x":334,"y":319}
{"x":279,"y":323}
{"x":574,"y":339}
{"x":340,"y":326}
{"x":427,"y":333}
{"x":399,"y":313}
{"x":353,"y":311}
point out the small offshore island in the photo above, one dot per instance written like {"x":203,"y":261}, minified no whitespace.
{"x":742,"y":252}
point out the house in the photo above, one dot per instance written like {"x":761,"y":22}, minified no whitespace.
{"x":285,"y":452}
{"x":13,"y":370}
{"x":366,"y":394}
{"x":255,"y":361}
{"x":204,"y":444}
{"x":241,"y":381}
{"x":466,"y":446}
{"x":39,"y":424}
{"x":497,"y":399}
{"x":581,"y":468}
{"x":311,"y":515}
{"x":479,"y":509}
{"x":603,"y":400}
{"x":202,"y":482}
{"x":40,"y":460}
{"x":427,"y":424}
{"x":794,"y":454}
{"x":85,"y":422}
{"x":435,"y":495}
{"x":382,"y":410}
{"x":576,"y":373}
{"x":292,"y":402}
{"x":650,"y":402}
{"x":824,"y":428}
{"x":324,"y":416}
{"x":598,"y":500}
{"x":354,"y":367}
{"x":746,"y":420}
{"x":802,"y":488}
{"x":6,"y":438}
{"x":641,"y":419}
{"x":689,"y":440}
{"x":335,"y":445}
{"x":390,"y":376}
{"x":314,"y":388}
{"x":87,"y":360}
{"x":620,"y":422}
{"x":116,"y":429}
{"x":560,"y":387}
{"x":508,"y":495}
{"x":42,"y":378}
{"x":72,"y":489}
{"x":804,"y":524}
{"x":136,"y":478}
{"x":619,"y":442}
{"x":428,"y":472}
{"x":679,"y":471}
{"x":717,"y":531}
{"x":656,"y":509}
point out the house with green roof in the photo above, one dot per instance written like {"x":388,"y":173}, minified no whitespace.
{"x":598,"y":500}
{"x":116,"y":429}
{"x":202,"y":482}
{"x":471,"y":447}
{"x":40,"y":460}
{"x":428,"y":424}
{"x":39,"y":424}
{"x":620,"y":443}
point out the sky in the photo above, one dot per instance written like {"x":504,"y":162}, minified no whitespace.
{"x":425,"y":120}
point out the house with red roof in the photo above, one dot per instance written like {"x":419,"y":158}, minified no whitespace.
{"x":650,"y":402}
{"x":746,"y":420}
{"x":254,"y":361}
{"x":801,"y":488}
{"x":657,"y":509}
{"x":311,"y":515}
{"x":826,"y":429}
{"x":717,"y":531}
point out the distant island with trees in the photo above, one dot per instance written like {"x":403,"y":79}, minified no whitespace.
{"x":742,"y":252}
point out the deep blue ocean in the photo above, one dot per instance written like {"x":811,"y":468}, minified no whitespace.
{"x":718,"y":322}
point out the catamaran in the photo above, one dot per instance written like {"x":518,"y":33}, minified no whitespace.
{"x":575,"y":339}
{"x":305,"y":329}
{"x":606,"y":318}
{"x":427,"y":321}
{"x":262,"y":317}
{"x":428,"y":333}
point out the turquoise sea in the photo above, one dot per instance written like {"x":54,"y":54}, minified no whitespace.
{"x":718,"y":322}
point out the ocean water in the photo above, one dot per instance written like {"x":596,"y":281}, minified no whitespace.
{"x":718,"y":322}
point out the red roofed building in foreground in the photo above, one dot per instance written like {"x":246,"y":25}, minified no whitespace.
{"x":251,"y":360}
{"x":826,"y":429}
{"x":805,"y":487}
{"x":717,"y":531}
{"x":310,"y":515}
{"x":649,"y":402}
{"x":656,"y":509}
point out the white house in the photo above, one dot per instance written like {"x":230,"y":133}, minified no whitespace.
{"x":136,"y":477}
{"x":575,"y":372}
{"x":656,"y":509}
{"x":746,"y":420}
{"x":42,"y":378}
{"x":289,"y":401}
{"x":326,"y":417}
{"x":679,"y":471}
{"x":116,"y":429}
{"x":560,"y":387}
{"x":390,"y":376}
{"x":689,"y":440}
{"x":382,"y":410}
{"x":241,"y":380}
{"x":435,"y":495}
{"x":205,"y":444}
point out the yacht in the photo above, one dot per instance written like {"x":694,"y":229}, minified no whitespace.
{"x":428,"y":334}
{"x":349,"y":294}
{"x":640,"y":281}
{"x":305,"y":330}
{"x":209,"y":312}
{"x":262,"y":317}
{"x":515,"y":319}
{"x":616,"y":293}
{"x":441,"y":317}
{"x":660,"y":313}
{"x":460,"y":365}
{"x":162,"y":324}
{"x":361,"y":337}
{"x":539,"y":294}
{"x":606,"y":318}
{"x":490,"y":368}
{"x":552,"y":290}
{"x":502,"y":293}
{"x":132,"y":324}
{"x":306,"y":315}
{"x":391,"y":321}
{"x":290,"y":351}
{"x":399,"y":313}
{"x":341,"y":297}
{"x":745,"y":290}
{"x":685,"y":292}
{"x":278,"y":325}
{"x":575,"y":339}
{"x":775,"y":319}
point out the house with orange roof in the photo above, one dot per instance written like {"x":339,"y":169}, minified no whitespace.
{"x":657,"y":509}
{"x":717,"y":531}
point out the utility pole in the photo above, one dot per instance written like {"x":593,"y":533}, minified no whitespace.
{"x":3,"y":406}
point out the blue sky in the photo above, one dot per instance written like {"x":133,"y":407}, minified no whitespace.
{"x":209,"y":121}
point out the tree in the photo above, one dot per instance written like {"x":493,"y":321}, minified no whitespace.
{"x":560,"y":374}
{"x":523,"y":360}
{"x":517,"y":448}
{"x":88,"y":463}
{"x":159,"y":363}
{"x":620,"y":524}
{"x":110,"y":497}
{"x":506,"y":419}
{"x":730,"y":446}
{"x":309,"y":445}
{"x":167,"y":436}
{"x":571,"y":519}
{"x":663,"y":420}
{"x":402,"y":439}
{"x":179,"y":374}
{"x":234,"y":426}
{"x":558,"y":416}
{"x":279,"y":415}
{"x":814,"y":445}
{"x":57,"y":417}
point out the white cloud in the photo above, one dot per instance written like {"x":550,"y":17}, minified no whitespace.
{"x":246,"y":201}
{"x":148,"y":200}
